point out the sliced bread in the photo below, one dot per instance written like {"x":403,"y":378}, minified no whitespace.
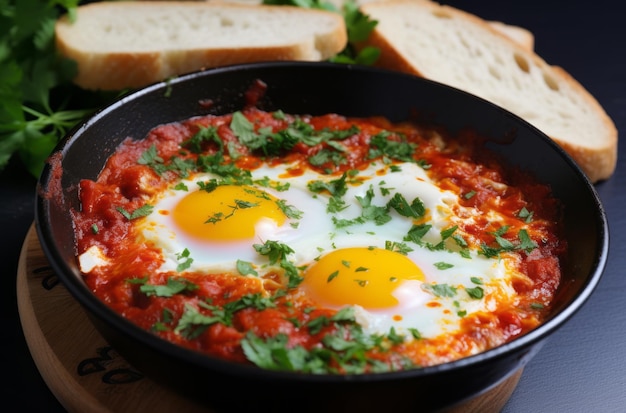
{"x":520,"y":34}
{"x":462,"y":50}
{"x":126,"y":44}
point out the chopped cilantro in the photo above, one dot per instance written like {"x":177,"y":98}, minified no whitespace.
{"x":289,"y":210}
{"x":336,"y":187}
{"x":246,"y":268}
{"x":525,"y":243}
{"x":394,"y":337}
{"x":274,"y":250}
{"x":194,"y":322}
{"x":525,"y":215}
{"x":205,"y":134}
{"x":443,"y":265}
{"x":181,"y":187}
{"x":415,"y":333}
{"x":345,"y":343}
{"x":388,"y":145}
{"x":399,"y":247}
{"x":441,"y":290}
{"x":184,"y":260}
{"x":239,"y":204}
{"x":332,"y":276}
{"x":174,"y":285}
{"x":142,"y":211}
{"x":476,"y":292}
{"x":150,"y":157}
{"x":417,"y":232}
{"x":469,"y":194}
{"x":415,"y":209}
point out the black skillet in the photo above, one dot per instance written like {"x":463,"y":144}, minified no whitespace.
{"x":317,"y":88}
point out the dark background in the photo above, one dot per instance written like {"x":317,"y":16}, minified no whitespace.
{"x":581,"y":368}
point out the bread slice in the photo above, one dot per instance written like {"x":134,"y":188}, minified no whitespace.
{"x":460,"y":49}
{"x":126,"y":44}
{"x":521,"y":35}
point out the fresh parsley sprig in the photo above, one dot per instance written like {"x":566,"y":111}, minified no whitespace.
{"x":358,"y":26}
{"x":36,"y":93}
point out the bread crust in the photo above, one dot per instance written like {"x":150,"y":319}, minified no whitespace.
{"x":595,"y":153}
{"x":126,"y":65}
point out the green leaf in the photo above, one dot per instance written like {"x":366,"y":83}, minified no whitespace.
{"x":246,"y":268}
{"x":358,"y":28}
{"x":358,"y":25}
{"x":36,"y":83}
{"x":443,"y":265}
{"x":476,"y":292}
{"x":142,"y":211}
{"x":35,"y":149}
{"x":526,"y":243}
{"x":441,"y":290}
{"x":275,"y":251}
{"x":193,"y":323}
{"x":244,"y":130}
{"x":184,"y":260}
{"x":172,"y":287}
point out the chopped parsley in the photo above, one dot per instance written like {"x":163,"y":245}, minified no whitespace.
{"x":239,"y":204}
{"x":142,"y":211}
{"x":469,"y":194}
{"x":399,"y":247}
{"x":441,"y":290}
{"x":174,"y":285}
{"x":345,"y":344}
{"x":524,"y":243}
{"x":391,"y":146}
{"x":475,"y":292}
{"x":246,"y":268}
{"x":184,"y":260}
{"x":443,"y":265}
{"x":525,"y":215}
{"x":277,"y":253}
{"x":289,"y":210}
{"x":196,"y":144}
{"x":194,"y":322}
{"x":335,"y":187}
{"x":332,"y":276}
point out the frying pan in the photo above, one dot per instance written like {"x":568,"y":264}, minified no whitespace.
{"x":319,"y":88}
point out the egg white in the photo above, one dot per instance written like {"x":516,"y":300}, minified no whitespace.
{"x":412,"y":312}
{"x":218,"y":257}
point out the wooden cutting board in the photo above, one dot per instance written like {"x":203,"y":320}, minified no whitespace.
{"x":87,"y":375}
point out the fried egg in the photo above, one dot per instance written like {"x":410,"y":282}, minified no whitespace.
{"x":354,"y":249}
{"x":219,"y":227}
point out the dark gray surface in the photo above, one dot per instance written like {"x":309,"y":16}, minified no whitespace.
{"x":581,"y":368}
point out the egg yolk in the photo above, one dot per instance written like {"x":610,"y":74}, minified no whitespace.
{"x":228,"y":213}
{"x":359,"y":276}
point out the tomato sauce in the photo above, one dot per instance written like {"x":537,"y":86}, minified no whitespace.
{"x":290,"y":320}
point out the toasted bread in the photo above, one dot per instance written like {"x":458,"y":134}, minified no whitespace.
{"x":125,"y":44}
{"x":462,"y":50}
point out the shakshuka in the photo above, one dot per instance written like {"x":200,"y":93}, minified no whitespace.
{"x":319,"y":244}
